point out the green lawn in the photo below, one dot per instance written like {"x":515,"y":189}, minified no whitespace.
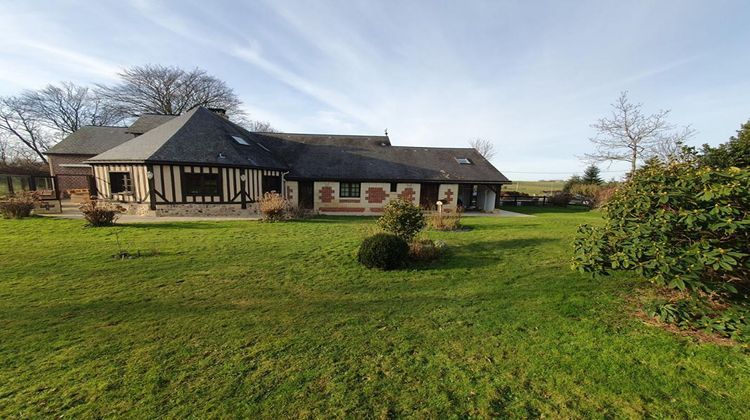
{"x":254,"y":319}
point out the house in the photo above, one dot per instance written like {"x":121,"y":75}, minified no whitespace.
{"x":202,"y":163}
{"x":67,"y":158}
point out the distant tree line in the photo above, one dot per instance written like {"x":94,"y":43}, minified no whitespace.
{"x":34,"y":120}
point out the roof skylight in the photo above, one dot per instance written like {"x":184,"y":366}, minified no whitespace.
{"x":241,"y":141}
{"x":463,"y":161}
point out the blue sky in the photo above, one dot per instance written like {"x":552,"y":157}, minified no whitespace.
{"x":529,"y":75}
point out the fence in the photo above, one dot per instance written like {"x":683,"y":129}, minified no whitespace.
{"x":523,"y":200}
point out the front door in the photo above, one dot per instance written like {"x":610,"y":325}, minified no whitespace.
{"x":306,"y":195}
{"x":428,"y":196}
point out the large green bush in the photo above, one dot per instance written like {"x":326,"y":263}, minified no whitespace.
{"x":679,"y":225}
{"x":403,"y":219}
{"x":383,"y":251}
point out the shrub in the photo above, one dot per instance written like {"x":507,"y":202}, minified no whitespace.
{"x":296,"y":212}
{"x":403,"y":219}
{"x":444,"y":221}
{"x":560,"y":199}
{"x":19,"y":205}
{"x":700,"y":314}
{"x":100,"y":213}
{"x":678,"y":225}
{"x":384,"y":251}
{"x":273,"y":207}
{"x":595,"y":195}
{"x":604,"y":195}
{"x":426,"y":249}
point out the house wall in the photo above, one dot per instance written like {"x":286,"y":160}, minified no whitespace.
{"x":169,"y":198}
{"x":138,"y":175}
{"x":448,"y":194}
{"x":69,"y":178}
{"x":373,"y":197}
{"x":292,"y":192}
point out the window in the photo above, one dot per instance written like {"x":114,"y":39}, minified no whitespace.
{"x":463,"y":161}
{"x":201,"y":184}
{"x":394,"y":187}
{"x":271,"y":183}
{"x":349,"y":189}
{"x":120,"y":182}
{"x":241,"y":141}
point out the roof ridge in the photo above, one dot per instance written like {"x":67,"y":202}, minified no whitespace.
{"x":319,"y":134}
{"x":435,"y":147}
{"x":103,"y":126}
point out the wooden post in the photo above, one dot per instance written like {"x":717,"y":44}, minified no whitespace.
{"x":243,"y":194}
{"x":151,"y":187}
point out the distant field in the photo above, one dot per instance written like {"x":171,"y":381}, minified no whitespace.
{"x":534,"y":187}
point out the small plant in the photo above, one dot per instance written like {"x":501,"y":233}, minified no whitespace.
{"x":273,"y":207}
{"x":384,"y":251}
{"x":403,"y":219}
{"x":100,"y":213}
{"x":19,"y":205}
{"x":444,"y":221}
{"x":426,"y":249}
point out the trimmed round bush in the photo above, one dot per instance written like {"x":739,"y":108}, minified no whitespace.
{"x":384,"y":251}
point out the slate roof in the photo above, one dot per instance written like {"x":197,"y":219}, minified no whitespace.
{"x":201,"y":137}
{"x":147,"y":122}
{"x":372,"y":158}
{"x":198,"y":137}
{"x":91,"y":140}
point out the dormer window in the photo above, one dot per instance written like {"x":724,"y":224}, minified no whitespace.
{"x":463,"y":161}
{"x":241,"y":141}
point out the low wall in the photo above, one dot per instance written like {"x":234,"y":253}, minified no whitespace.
{"x":220,"y":210}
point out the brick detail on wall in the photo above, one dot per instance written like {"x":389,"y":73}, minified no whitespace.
{"x":349,"y":200}
{"x":326,"y":195}
{"x":376,"y":209}
{"x":448,"y":196}
{"x":375,"y":195}
{"x":407,"y":194}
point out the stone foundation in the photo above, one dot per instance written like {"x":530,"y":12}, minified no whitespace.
{"x":136,"y":209}
{"x":219,"y":210}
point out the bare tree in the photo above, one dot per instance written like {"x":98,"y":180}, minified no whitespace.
{"x":19,"y":123}
{"x":629,"y":135}
{"x":67,"y":107}
{"x":169,"y":90}
{"x":259,"y":126}
{"x":5,"y":149}
{"x":672,"y":147}
{"x":485,"y":147}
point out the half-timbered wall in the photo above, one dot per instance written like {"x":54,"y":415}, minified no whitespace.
{"x":140,"y":193}
{"x":168,"y":187}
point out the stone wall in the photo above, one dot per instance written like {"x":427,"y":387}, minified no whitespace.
{"x":47,"y":207}
{"x":208,"y":209}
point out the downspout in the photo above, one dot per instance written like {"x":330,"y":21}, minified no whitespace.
{"x":283,"y":184}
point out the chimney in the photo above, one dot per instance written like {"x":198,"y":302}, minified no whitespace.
{"x":219,"y":111}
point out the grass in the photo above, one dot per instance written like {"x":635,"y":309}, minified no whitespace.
{"x":534,"y":187}
{"x":250,"y":319}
